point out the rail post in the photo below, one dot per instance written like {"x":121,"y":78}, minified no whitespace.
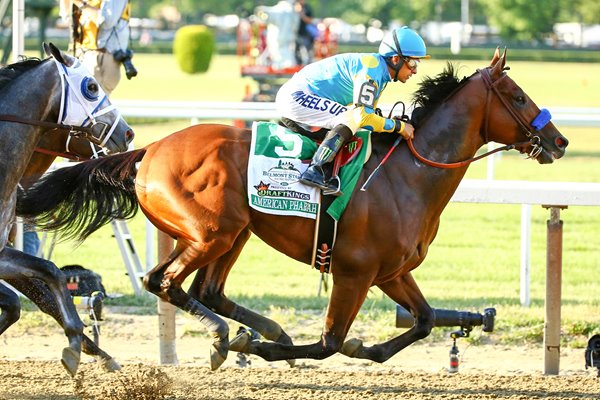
{"x":553,"y":291}
{"x":166,"y":311}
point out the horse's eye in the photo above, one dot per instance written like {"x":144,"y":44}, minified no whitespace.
{"x":520,"y":100}
{"x":90,"y":88}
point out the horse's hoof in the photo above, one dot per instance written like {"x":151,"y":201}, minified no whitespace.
{"x":240,"y":343}
{"x":350,"y":347}
{"x":217,"y":358}
{"x":292,"y":363}
{"x":70,"y":360}
{"x":110,"y":365}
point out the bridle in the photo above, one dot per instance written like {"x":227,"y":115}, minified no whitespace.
{"x":67,"y":153}
{"x":534,"y":140}
{"x":85,"y":132}
{"x":88,"y":127}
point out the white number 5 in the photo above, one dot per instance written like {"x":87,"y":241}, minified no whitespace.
{"x":366,"y":95}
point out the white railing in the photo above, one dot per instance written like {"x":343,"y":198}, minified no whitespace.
{"x":248,"y":111}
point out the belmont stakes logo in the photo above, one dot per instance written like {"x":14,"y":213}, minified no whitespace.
{"x":284,"y":174}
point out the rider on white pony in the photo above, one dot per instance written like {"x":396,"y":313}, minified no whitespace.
{"x":340,"y":93}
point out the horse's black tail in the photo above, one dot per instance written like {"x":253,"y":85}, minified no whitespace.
{"x":76,"y":201}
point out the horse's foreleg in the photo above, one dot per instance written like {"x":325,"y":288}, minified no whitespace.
{"x":404,"y":291}
{"x":347,"y":296}
{"x":17,"y":265}
{"x":41,"y":295}
{"x":165,"y":280}
{"x":209,"y":285}
{"x":10,"y":306}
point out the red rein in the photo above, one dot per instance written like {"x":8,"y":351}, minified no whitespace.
{"x":455,"y":164}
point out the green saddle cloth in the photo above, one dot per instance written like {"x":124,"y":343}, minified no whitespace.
{"x":271,"y":140}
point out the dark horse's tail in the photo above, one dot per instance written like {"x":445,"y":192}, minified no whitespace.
{"x":78,"y":200}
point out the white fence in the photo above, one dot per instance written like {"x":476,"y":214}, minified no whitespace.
{"x":249,"y":111}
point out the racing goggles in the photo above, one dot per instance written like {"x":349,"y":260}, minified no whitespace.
{"x":412,"y":63}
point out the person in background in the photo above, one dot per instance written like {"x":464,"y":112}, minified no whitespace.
{"x":31,"y":240}
{"x":100,"y":38}
{"x":341,"y":92}
{"x":305,"y":37}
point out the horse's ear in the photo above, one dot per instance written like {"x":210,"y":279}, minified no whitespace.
{"x":496,"y":57}
{"x":51,"y":50}
{"x":498,"y":66}
{"x":46,"y":48}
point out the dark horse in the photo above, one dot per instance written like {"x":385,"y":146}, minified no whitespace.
{"x":33,"y":94}
{"x":50,"y":146}
{"x":192,"y":185}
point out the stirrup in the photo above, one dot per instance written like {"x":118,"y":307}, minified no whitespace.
{"x":324,"y":186}
{"x":330,"y":191}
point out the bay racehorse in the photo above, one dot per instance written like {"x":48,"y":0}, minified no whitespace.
{"x":35,"y":93}
{"x":192,"y":186}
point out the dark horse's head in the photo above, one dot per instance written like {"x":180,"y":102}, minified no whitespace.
{"x":84,"y":104}
{"x":75,"y":102}
{"x":507,"y":114}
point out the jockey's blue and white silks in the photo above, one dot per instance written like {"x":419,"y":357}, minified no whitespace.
{"x":343,"y":89}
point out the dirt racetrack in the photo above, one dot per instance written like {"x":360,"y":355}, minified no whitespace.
{"x":30,"y":369}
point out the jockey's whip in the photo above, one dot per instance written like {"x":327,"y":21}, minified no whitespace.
{"x":396,"y":143}
{"x":376,"y":170}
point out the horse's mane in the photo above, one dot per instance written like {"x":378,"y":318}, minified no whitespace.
{"x":433,"y":90}
{"x":12,"y":71}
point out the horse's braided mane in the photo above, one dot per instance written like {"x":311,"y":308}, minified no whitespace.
{"x":12,"y":71}
{"x":433,"y":91}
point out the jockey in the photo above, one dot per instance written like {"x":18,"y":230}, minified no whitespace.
{"x":340,"y":93}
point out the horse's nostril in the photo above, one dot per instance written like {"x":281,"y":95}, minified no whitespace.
{"x":561,"y":142}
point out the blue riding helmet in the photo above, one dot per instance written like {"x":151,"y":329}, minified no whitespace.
{"x":403,"y":42}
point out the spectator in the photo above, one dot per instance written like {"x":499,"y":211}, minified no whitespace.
{"x":31,"y":240}
{"x":100,"y":38}
{"x":306,"y":34}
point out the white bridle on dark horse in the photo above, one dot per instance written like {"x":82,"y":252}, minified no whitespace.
{"x":81,"y":103}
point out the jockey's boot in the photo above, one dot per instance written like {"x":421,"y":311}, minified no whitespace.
{"x":314,"y":174}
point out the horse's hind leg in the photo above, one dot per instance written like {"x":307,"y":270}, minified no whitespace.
{"x":17,"y":265}
{"x":10,"y":306}
{"x":40,"y":294}
{"x":165,"y":281}
{"x":347,"y":295}
{"x":209,"y":285}
{"x":404,"y":291}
